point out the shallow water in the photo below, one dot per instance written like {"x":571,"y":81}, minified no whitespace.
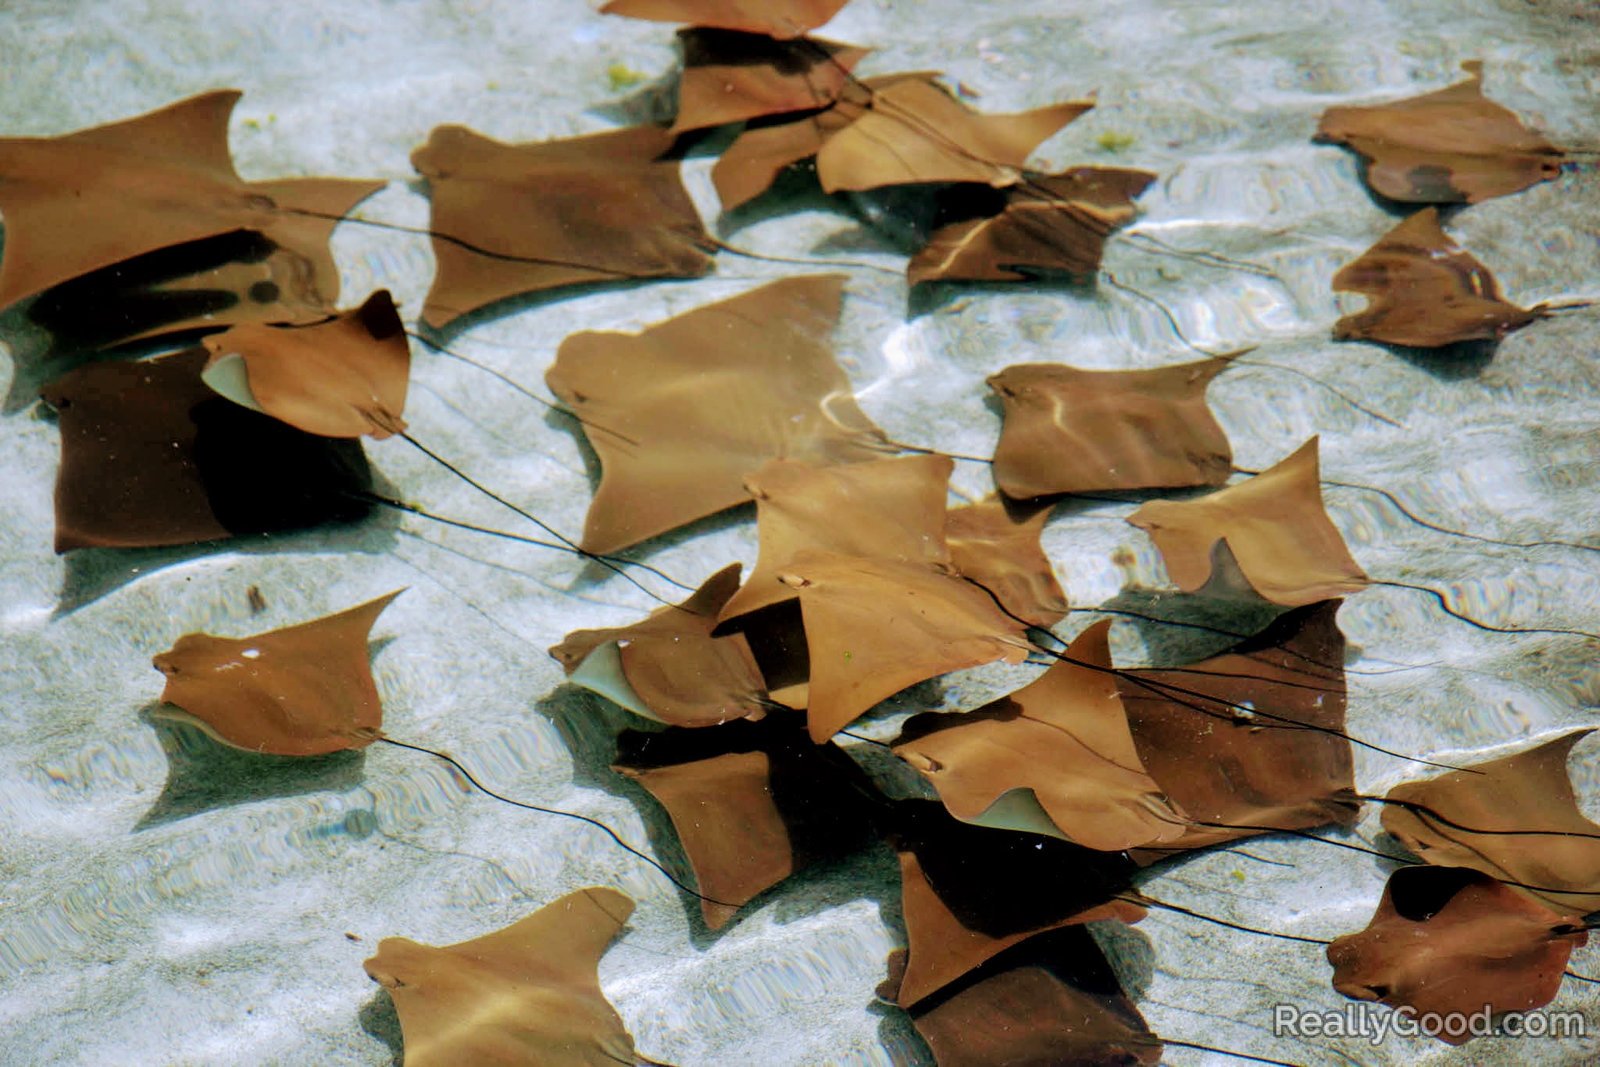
{"x":166,"y":901}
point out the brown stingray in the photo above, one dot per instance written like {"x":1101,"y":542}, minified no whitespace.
{"x":1051,"y":1002}
{"x":752,"y":802}
{"x":876,"y":626}
{"x":765,"y":149}
{"x":749,"y":166}
{"x":1452,"y":940}
{"x":529,"y":993}
{"x":1253,"y":737}
{"x":303,"y":690}
{"x":1050,"y":225}
{"x":770,"y":146}
{"x":998,"y":547}
{"x":682,"y":412}
{"x":668,"y":667}
{"x":341,"y":378}
{"x":1425,"y":291}
{"x":969,"y":892}
{"x":1446,"y":147}
{"x":890,"y":508}
{"x":151,"y":456}
{"x":1082,"y":431}
{"x":1271,"y":528}
{"x":1055,"y":757}
{"x":1530,"y":829}
{"x":1025,"y":1014}
{"x":731,"y":77}
{"x":775,"y":18}
{"x":915,"y":132}
{"x":518,"y":218}
{"x":103,"y":196}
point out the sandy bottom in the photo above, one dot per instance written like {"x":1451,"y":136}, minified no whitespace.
{"x":166,"y":901}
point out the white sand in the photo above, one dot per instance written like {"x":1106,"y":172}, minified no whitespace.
{"x":208,"y":911}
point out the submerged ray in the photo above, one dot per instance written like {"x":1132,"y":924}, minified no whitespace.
{"x":341,"y":378}
{"x":150,"y":455}
{"x":1059,"y":747}
{"x":668,"y":667}
{"x":529,"y":993}
{"x":302,"y":690}
{"x":752,"y":802}
{"x":108,"y":195}
{"x":1069,"y":430}
{"x":731,"y":77}
{"x":1454,"y":941}
{"x":1515,"y":818}
{"x":520,"y":218}
{"x":692,"y":406}
{"x":1446,"y":147}
{"x":1272,"y":529}
{"x":1425,"y":291}
{"x":1251,"y":740}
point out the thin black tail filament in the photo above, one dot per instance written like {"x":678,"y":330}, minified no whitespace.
{"x":604,"y":561}
{"x":596,"y":823}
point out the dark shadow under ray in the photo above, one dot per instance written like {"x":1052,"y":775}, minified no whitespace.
{"x":204,"y":775}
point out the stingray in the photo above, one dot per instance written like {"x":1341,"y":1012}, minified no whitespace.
{"x":1450,"y":940}
{"x":1053,"y":1000}
{"x":520,"y":218}
{"x":890,"y":508}
{"x":151,"y":456}
{"x":1048,"y":225}
{"x":776,"y":18}
{"x":1515,"y":818}
{"x":1069,"y":430}
{"x":529,"y":993}
{"x":1446,"y":147}
{"x":304,"y":690}
{"x":752,"y":802}
{"x":768,"y":147}
{"x":1055,"y":757}
{"x":957,"y":914}
{"x":344,"y":377}
{"x":894,"y":509}
{"x":668,"y":667}
{"x":681,"y":413}
{"x":896,"y":129}
{"x":874,"y":627}
{"x":78,"y":204}
{"x":915,"y":132}
{"x":1251,"y":740}
{"x":730,"y":77}
{"x":998,"y":547}
{"x":1425,"y":291}
{"x":1268,"y":536}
